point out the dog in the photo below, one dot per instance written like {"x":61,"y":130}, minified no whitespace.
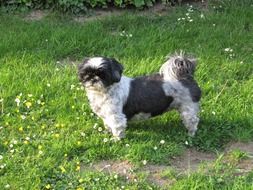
{"x":116,"y":98}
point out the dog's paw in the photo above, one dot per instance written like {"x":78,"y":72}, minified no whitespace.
{"x":115,"y":139}
{"x":192,"y":133}
{"x":118,"y":132}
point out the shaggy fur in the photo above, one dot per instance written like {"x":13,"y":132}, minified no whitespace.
{"x":117,"y":99}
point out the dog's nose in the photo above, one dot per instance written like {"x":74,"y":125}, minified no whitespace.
{"x":94,"y":81}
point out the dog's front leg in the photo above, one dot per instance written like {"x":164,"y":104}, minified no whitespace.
{"x":117,"y":123}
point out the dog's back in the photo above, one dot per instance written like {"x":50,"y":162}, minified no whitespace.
{"x":146,"y":95}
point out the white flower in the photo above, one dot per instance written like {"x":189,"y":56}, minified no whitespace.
{"x":39,"y":102}
{"x":1,"y":100}
{"x":57,"y":69}
{"x":227,"y":49}
{"x":213,"y":113}
{"x":1,"y":157}
{"x":190,"y":20}
{"x":186,"y":142}
{"x":95,"y":126}
{"x":100,"y":129}
{"x":83,"y":134}
{"x":11,"y":145}
{"x":17,"y":100}
{"x":40,"y":152}
{"x":48,"y":85}
{"x":27,"y":138}
{"x":105,"y":140}
{"x":155,"y":147}
{"x":115,"y":176}
{"x":12,"y":150}
{"x":187,"y":14}
{"x":144,"y":162}
{"x":7,"y":186}
{"x":202,"y":15}
{"x":130,"y":35}
{"x":23,"y":117}
{"x":72,"y":86}
{"x":15,"y":142}
{"x":29,"y":95}
{"x":127,"y":145}
{"x":162,"y":141}
{"x":190,"y":9}
{"x":3,"y":166}
{"x":214,"y":24}
{"x":179,"y":19}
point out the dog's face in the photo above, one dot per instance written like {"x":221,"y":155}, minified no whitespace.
{"x":99,"y":72}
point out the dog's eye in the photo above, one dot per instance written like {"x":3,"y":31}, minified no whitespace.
{"x":101,"y":75}
{"x":179,"y":62}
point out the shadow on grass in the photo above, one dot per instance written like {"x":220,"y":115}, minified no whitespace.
{"x":160,"y":139}
{"x":212,"y":135}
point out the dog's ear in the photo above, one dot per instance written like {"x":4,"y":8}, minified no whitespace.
{"x":193,"y":61}
{"x":80,"y":68}
{"x":117,"y":70}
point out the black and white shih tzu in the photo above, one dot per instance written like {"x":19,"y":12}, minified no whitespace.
{"x":117,"y":99}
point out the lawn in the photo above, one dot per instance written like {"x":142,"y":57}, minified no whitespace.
{"x":49,"y":137}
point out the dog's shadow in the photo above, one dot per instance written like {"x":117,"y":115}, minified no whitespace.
{"x":212,"y":135}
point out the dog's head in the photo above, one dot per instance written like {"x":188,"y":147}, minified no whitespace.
{"x":179,"y":66}
{"x":99,"y":72}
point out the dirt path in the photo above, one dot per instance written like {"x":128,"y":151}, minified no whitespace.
{"x":190,"y":161}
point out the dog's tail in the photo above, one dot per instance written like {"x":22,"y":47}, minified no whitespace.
{"x":178,"y":66}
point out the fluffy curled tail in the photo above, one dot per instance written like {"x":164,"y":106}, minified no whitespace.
{"x":178,"y":66}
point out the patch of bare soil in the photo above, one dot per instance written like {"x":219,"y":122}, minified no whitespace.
{"x":154,"y":175}
{"x":122,"y":168}
{"x":98,"y":15}
{"x":126,"y":169}
{"x":245,"y":165}
{"x":191,"y":159}
{"x":245,"y":147}
{"x":36,"y":15}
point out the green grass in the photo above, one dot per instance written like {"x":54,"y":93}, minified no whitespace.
{"x":59,"y":132}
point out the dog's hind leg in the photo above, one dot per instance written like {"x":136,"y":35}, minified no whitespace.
{"x":189,"y":115}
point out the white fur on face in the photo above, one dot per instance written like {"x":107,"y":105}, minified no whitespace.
{"x":95,"y":61}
